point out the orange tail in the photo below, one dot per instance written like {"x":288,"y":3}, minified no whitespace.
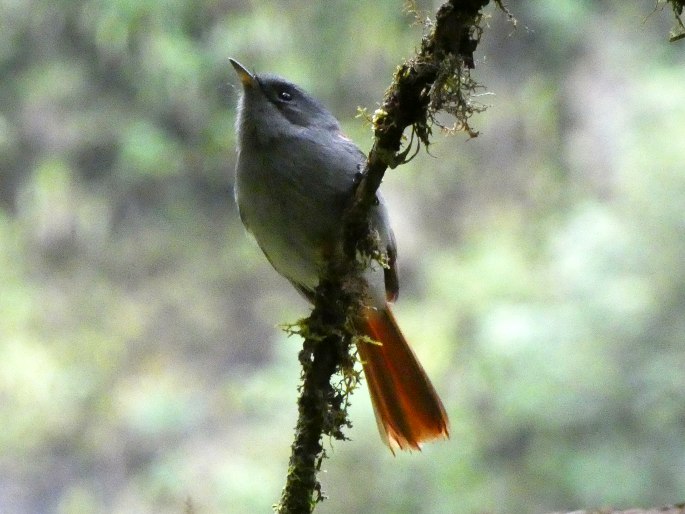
{"x":408,"y":410}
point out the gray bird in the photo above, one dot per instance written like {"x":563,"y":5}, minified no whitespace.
{"x":294,"y":175}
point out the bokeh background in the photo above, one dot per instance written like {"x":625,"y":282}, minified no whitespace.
{"x":543,"y":263}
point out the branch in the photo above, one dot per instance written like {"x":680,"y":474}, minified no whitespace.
{"x":437,"y":78}
{"x":678,"y":32}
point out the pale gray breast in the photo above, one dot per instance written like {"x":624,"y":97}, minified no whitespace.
{"x":291,"y":196}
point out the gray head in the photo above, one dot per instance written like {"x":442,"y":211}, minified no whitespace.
{"x":270,"y":107}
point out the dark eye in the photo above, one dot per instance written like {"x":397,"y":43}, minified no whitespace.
{"x":284,"y":96}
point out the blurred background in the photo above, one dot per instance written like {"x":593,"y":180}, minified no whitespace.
{"x":543,"y":263}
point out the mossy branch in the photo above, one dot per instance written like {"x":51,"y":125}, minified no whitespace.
{"x":437,"y":78}
{"x":678,"y":32}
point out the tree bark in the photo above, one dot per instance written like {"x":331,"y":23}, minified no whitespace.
{"x":416,"y":92}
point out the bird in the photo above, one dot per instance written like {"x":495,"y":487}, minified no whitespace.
{"x":295,"y":173}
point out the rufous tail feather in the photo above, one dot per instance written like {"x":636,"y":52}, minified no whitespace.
{"x":408,"y":410}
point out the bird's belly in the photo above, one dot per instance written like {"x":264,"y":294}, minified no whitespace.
{"x":289,"y":253}
{"x":294,"y":240}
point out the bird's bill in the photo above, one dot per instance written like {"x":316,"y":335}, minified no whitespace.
{"x":245,"y":76}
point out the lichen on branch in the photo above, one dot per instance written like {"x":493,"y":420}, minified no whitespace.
{"x":437,"y":78}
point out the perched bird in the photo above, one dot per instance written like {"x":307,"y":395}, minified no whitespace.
{"x":294,"y":175}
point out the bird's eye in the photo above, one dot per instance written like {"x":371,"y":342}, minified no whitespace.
{"x":284,"y":96}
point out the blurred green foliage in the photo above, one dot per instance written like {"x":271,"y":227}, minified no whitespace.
{"x":543,"y":262}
